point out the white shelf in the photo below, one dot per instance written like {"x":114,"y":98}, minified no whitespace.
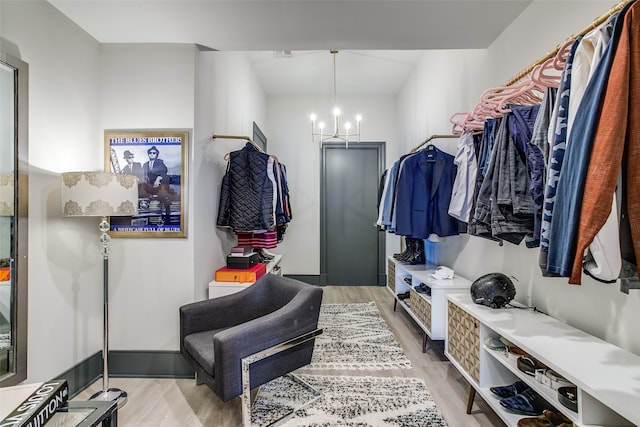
{"x":419,"y":274}
{"x":607,"y":377}
{"x":219,"y":289}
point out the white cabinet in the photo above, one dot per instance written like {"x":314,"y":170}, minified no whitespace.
{"x":607,"y":377}
{"x":219,"y":289}
{"x":428,"y":310}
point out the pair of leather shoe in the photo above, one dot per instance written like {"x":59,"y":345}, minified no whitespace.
{"x":548,"y":419}
{"x":520,"y":398}
{"x":527,"y":402}
{"x":509,"y":390}
{"x":404,"y":295}
{"x":423,"y":289}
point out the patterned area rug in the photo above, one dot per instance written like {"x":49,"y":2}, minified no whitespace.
{"x":5,"y":341}
{"x":348,"y":401}
{"x":355,"y":336}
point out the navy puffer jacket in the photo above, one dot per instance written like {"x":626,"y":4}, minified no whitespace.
{"x":246,"y":196}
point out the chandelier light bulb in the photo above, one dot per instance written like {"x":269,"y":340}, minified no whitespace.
{"x":318,"y":129}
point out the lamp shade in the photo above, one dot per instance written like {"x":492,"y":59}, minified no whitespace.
{"x":99,"y":194}
{"x":7,"y":184}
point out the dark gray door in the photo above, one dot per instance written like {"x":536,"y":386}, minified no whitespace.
{"x":352,"y":249}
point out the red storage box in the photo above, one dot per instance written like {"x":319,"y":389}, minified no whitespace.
{"x":250,"y":274}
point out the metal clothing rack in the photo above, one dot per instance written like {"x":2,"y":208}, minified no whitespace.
{"x":426,"y":141}
{"x":246,"y":138}
{"x":598,"y":21}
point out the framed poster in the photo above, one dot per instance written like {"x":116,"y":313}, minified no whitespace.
{"x":159,"y":159}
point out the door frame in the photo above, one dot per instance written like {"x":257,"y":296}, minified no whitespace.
{"x":335,"y":145}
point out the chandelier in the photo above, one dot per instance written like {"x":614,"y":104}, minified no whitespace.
{"x":321,"y":133}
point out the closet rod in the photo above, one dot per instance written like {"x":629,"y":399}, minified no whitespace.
{"x":584,"y":31}
{"x":246,"y":138}
{"x":417,"y":147}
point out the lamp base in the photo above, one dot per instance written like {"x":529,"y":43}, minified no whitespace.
{"x":110,"y":395}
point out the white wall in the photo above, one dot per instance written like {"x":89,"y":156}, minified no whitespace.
{"x":601,"y":310}
{"x":230,"y":99}
{"x":65,"y":268}
{"x":77,"y":89}
{"x":149,"y":87}
{"x":290,"y":140}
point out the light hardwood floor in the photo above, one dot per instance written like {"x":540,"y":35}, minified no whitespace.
{"x":179,"y":402}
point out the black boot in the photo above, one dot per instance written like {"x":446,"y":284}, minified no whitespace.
{"x":409,"y":252}
{"x":418,"y":253}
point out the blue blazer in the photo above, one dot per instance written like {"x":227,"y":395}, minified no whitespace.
{"x":423,"y":195}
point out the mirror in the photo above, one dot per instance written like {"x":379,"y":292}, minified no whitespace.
{"x":13,"y":219}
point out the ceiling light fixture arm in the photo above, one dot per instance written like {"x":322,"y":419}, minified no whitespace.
{"x":348,"y":134}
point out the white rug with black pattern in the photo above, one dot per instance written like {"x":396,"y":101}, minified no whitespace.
{"x":355,"y":336}
{"x":348,"y":401}
{"x":5,"y":341}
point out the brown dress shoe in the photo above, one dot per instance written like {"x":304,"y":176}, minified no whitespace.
{"x":557,"y":418}
{"x":534,"y":422}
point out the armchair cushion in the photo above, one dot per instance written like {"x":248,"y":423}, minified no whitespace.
{"x":200,"y":347}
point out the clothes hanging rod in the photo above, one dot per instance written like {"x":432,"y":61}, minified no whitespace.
{"x":246,"y":138}
{"x":417,"y":147}
{"x":598,"y":21}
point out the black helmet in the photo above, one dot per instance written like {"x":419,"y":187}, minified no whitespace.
{"x":494,"y":290}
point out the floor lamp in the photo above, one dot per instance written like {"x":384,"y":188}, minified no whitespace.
{"x":102,"y":195}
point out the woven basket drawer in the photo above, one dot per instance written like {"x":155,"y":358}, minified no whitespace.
{"x":391,"y":275}
{"x":421,"y":308}
{"x":464,"y":340}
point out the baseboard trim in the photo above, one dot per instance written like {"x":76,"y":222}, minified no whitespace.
{"x":83,"y":374}
{"x":127,"y":364}
{"x":312,"y":279}
{"x":148,"y":364}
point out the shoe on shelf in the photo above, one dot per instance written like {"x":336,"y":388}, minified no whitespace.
{"x":548,"y":419}
{"x":534,"y":422}
{"x":509,"y":390}
{"x":423,"y":289}
{"x":494,"y":343}
{"x":558,"y":419}
{"x":526,"y":403}
{"x":529,"y":365}
{"x":404,"y":295}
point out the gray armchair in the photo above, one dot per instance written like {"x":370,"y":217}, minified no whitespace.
{"x":271,"y":325}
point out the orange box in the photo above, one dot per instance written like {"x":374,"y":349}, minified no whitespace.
{"x":250,"y":274}
{"x":5,"y":274}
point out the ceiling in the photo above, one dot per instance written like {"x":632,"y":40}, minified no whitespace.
{"x":289,"y":40}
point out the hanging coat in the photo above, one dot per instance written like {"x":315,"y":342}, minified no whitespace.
{"x":423,"y":196}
